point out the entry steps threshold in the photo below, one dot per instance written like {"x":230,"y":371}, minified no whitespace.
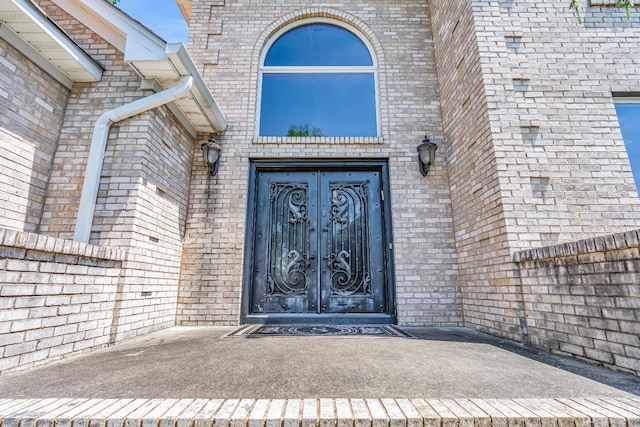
{"x":565,"y":412}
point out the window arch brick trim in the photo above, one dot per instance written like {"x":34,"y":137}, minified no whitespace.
{"x":351,"y":21}
{"x":319,"y":12}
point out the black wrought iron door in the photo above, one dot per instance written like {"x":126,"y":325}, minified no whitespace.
{"x":319,"y":243}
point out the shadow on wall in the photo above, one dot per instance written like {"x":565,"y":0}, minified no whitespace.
{"x":582,"y":299}
{"x":26,"y":166}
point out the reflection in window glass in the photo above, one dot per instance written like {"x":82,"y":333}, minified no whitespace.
{"x":318,"y":44}
{"x":318,"y":80}
{"x":628,"y":111}
{"x":334,"y":104}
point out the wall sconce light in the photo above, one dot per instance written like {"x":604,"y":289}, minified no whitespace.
{"x":426,"y":155}
{"x":211,"y":150}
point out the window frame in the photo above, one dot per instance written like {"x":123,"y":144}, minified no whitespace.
{"x":627,"y":99}
{"x":635,"y":99}
{"x":371,"y":69}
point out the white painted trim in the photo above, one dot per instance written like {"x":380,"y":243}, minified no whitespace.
{"x":262,"y":69}
{"x":98,"y":144}
{"x":60,"y":38}
{"x":179,"y":57}
{"x":258,"y":110}
{"x":92,"y":21}
{"x":129,"y":36}
{"x":33,"y":55}
{"x":140,"y":44}
{"x":626,"y":99}
{"x":316,"y":69}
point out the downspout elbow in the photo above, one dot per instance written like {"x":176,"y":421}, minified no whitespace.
{"x":99,"y":142}
{"x":147,"y":103}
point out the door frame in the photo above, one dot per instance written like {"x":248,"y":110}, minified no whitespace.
{"x":256,"y":166}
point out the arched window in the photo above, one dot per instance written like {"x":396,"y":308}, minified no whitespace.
{"x":318,"y":79}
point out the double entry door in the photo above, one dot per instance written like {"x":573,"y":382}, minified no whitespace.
{"x":320,"y":244}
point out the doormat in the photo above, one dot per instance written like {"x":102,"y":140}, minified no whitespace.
{"x":319,"y":331}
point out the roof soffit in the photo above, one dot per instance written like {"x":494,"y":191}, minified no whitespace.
{"x":28,"y":29}
{"x":151,"y":57}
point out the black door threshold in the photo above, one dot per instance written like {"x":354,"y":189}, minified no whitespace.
{"x":326,"y":319}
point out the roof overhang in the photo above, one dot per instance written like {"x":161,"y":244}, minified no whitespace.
{"x":185,"y":8}
{"x":153,"y":59}
{"x":24,"y":26}
{"x":200,"y":109}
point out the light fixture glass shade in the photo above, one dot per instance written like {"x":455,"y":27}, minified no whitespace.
{"x":426,"y":156}
{"x":211,"y":153}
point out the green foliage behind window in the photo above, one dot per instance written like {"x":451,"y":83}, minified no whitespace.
{"x":303,"y":130}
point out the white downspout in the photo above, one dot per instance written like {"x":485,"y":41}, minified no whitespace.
{"x":99,"y":143}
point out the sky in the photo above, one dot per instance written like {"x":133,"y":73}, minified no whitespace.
{"x":161,"y":16}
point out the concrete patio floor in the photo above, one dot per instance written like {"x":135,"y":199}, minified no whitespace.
{"x":441,"y":363}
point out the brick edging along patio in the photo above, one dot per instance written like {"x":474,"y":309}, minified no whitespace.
{"x":575,"y":412}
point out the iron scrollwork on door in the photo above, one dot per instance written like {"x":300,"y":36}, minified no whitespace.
{"x":348,"y":257}
{"x":288,"y":251}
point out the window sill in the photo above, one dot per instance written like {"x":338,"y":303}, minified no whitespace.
{"x":605,"y":3}
{"x":318,"y":140}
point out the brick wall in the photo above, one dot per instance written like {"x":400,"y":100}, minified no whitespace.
{"x":535,"y":151}
{"x":143,"y":190}
{"x":548,"y":81}
{"x":326,"y":411}
{"x":32,"y":105}
{"x":517,"y":95}
{"x":583,"y":298}
{"x":490,"y":299}
{"x":56,"y":297}
{"x":60,"y":297}
{"x":87,"y":101}
{"x":142,"y":204}
{"x":226,"y":39}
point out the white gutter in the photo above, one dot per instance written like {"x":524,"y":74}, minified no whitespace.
{"x":179,"y":57}
{"x":99,"y":143}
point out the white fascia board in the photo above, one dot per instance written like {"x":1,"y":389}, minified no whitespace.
{"x":34,"y":56}
{"x":141,"y":44}
{"x":633,"y":99}
{"x":93,"y":20}
{"x":183,"y":63}
{"x":60,"y":38}
{"x":137,"y":42}
{"x":139,"y":49}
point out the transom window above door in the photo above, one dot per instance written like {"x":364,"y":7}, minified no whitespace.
{"x":318,"y":79}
